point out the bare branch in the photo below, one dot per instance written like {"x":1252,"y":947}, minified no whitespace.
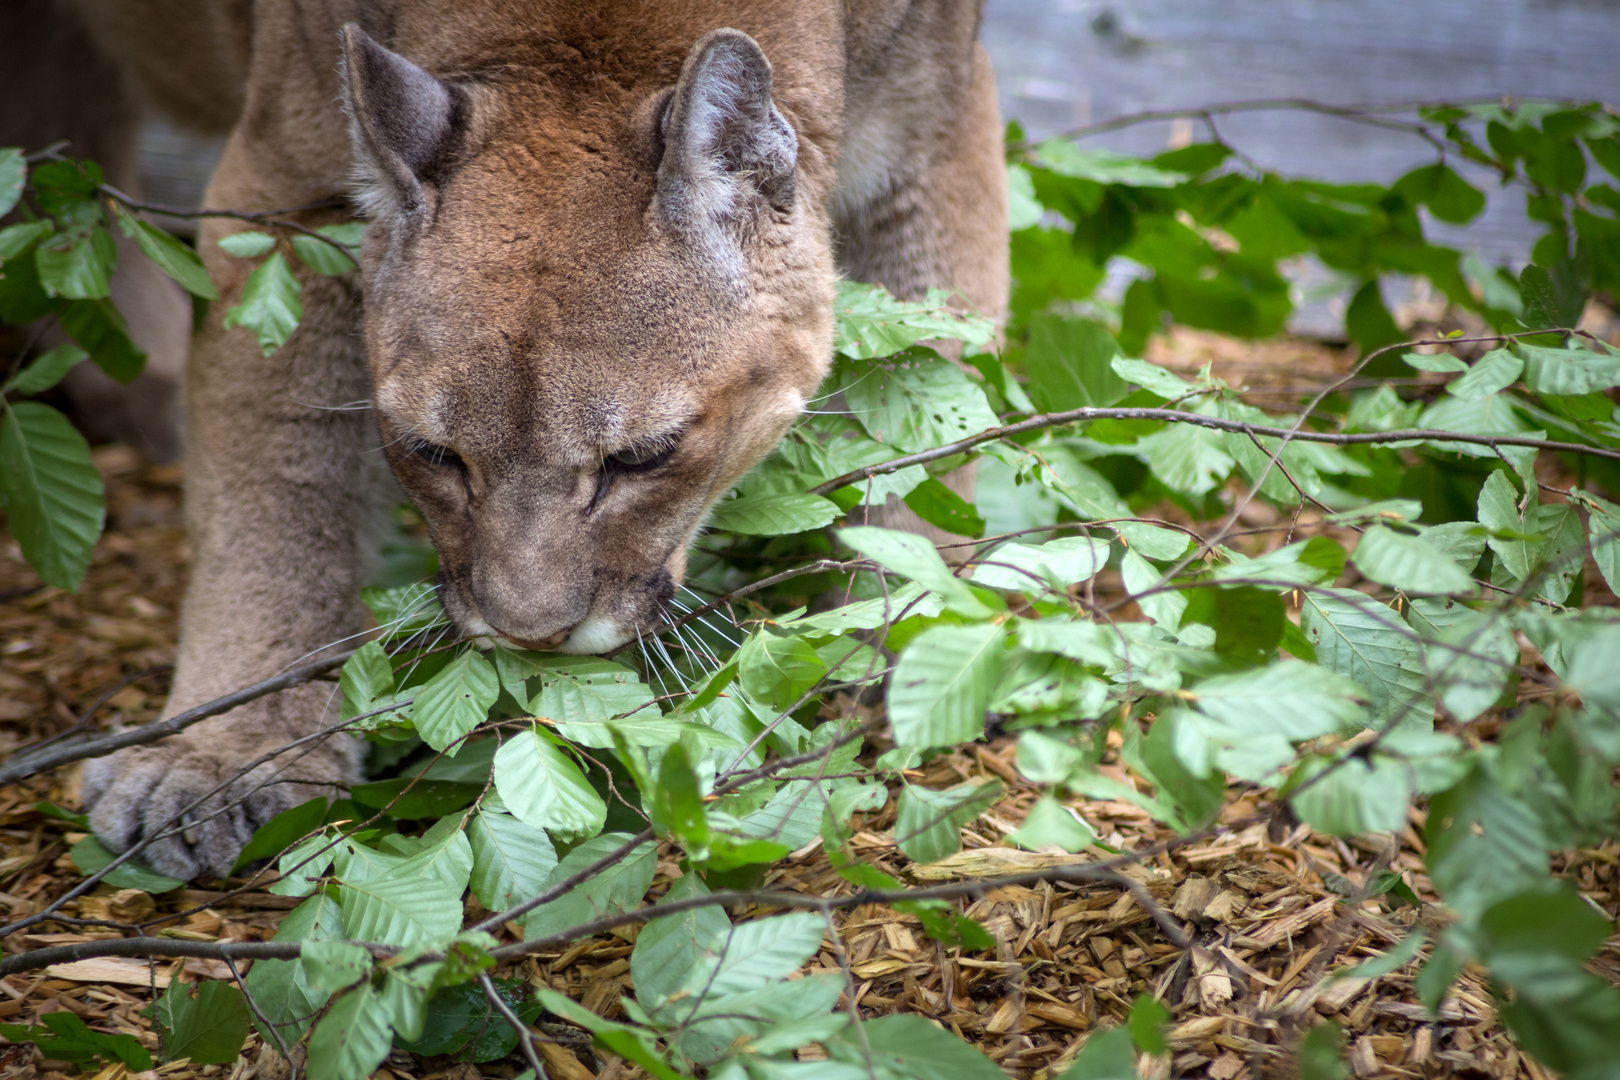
{"x":26,"y":764}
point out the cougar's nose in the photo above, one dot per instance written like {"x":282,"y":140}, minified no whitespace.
{"x":546,"y":643}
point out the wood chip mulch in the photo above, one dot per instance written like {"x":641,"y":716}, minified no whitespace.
{"x":1272,"y":907}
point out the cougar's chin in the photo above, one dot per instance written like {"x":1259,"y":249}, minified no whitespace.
{"x":596,"y":635}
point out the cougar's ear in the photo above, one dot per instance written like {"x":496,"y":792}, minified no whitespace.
{"x":729,"y":154}
{"x":405,"y":125}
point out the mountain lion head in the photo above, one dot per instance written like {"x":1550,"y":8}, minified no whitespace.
{"x":589,"y":310}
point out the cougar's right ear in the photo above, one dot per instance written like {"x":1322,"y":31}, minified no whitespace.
{"x":405,"y":126}
{"x":729,"y":153}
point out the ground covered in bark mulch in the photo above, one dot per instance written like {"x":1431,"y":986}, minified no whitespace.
{"x":1274,"y":909}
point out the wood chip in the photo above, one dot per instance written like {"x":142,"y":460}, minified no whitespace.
{"x":111,"y":969}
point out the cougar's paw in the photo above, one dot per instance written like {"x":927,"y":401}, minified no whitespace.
{"x":159,"y":796}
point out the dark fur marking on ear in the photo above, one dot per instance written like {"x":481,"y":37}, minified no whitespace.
{"x":728,"y":153}
{"x":408,"y":127}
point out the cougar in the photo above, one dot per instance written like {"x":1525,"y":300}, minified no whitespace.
{"x":595,"y":289}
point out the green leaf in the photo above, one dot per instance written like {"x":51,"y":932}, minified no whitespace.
{"x":677,"y":803}
{"x":1402,"y":560}
{"x":1079,"y":640}
{"x":333,"y":965}
{"x":1147,"y":1023}
{"x":1151,"y":377}
{"x":456,"y":700}
{"x":1603,"y":532}
{"x":1356,"y":796}
{"x":1485,"y":844}
{"x":1494,"y":371}
{"x":411,"y":798}
{"x":405,"y":909}
{"x":174,"y":258}
{"x":1470,"y":658}
{"x":322,"y":257}
{"x":1106,"y":1055}
{"x":1321,"y":1053}
{"x":269,"y":308}
{"x":617,"y":888}
{"x":1023,"y":209}
{"x":283,"y":995}
{"x":1027,"y":568}
{"x":926,"y":828}
{"x":1186,"y":458}
{"x":209,"y":1028}
{"x":352,"y":1038}
{"x":1065,"y":158}
{"x":905,"y":1047}
{"x":1289,"y":697}
{"x":1444,"y":363}
{"x":1049,"y":824}
{"x":62,"y":1036}
{"x":459,"y":1020}
{"x":872,"y":323}
{"x":942,"y":684}
{"x":97,"y":325}
{"x":916,"y":401}
{"x":778,"y":668}
{"x":50,"y":490}
{"x":283,"y":830}
{"x":1448,"y":196}
{"x":1356,"y":636}
{"x":15,"y":239}
{"x":1538,"y":940}
{"x":1068,"y":361}
{"x":1403,"y":953}
{"x":90,"y":855}
{"x":1499,"y":511}
{"x":511,"y":860}
{"x":914,"y":557}
{"x":774,"y":515}
{"x":669,"y":949}
{"x":758,"y":952}
{"x":588,"y":697}
{"x":1368,"y":321}
{"x":77,"y":265}
{"x":543,"y":787}
{"x":1569,"y":371}
{"x":910,"y":599}
{"x":46,"y":370}
{"x":13,"y":173}
{"x":944,"y":509}
{"x":247,"y":244}
{"x":1549,"y":297}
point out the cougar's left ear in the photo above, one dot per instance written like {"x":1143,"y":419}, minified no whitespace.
{"x":729,"y":154}
{"x":405,"y":125}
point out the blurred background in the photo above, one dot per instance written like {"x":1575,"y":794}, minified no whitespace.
{"x":1063,"y":65}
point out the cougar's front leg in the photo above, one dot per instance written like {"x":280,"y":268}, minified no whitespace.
{"x":923,"y":204}
{"x":283,"y":478}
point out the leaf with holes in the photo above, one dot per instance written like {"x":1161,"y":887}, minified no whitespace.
{"x":543,"y":787}
{"x":456,"y":700}
{"x":916,"y":401}
{"x":943,"y":682}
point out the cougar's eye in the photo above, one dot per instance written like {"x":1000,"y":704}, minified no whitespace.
{"x":639,"y":458}
{"x":438,"y":456}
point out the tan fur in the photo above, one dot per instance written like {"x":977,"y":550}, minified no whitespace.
{"x":560,"y":279}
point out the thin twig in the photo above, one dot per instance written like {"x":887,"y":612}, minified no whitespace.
{"x":26,"y":764}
